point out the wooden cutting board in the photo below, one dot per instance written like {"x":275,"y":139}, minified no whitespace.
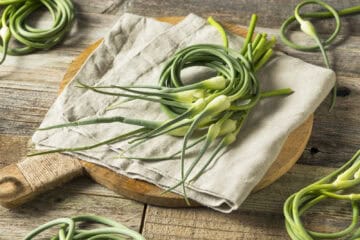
{"x":22,"y":182}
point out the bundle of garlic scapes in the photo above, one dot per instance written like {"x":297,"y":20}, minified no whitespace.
{"x":71,"y":229}
{"x":14,"y":25}
{"x":216,"y":108}
{"x":338,"y":185}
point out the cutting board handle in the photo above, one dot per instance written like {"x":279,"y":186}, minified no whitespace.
{"x":22,"y":181}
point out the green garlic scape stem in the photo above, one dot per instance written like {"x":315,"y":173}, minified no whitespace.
{"x":215,"y":108}
{"x":13,"y":25}
{"x":343,"y":179}
{"x":250,"y":33}
{"x":308,"y":28}
{"x":70,"y":229}
{"x":220,"y":30}
{"x":333,"y":186}
{"x":116,"y":139}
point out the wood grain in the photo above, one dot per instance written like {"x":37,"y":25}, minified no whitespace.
{"x":12,"y":148}
{"x":260,"y":216}
{"x":28,"y":87}
{"x":76,"y":199}
{"x":271,"y":14}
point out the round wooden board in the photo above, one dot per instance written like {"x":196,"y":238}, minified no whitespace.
{"x":151,"y":194}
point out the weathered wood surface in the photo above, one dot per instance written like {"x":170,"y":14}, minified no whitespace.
{"x":260,"y":217}
{"x":28,"y":86}
{"x":79,"y":197}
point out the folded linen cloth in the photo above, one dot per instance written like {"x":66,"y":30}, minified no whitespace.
{"x":134,"y":52}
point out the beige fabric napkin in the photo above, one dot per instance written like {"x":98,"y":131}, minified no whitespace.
{"x":134,"y":52}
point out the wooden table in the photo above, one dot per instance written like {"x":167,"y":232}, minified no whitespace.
{"x":28,"y":87}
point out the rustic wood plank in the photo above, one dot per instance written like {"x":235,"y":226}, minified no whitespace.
{"x":12,"y":149}
{"x":14,"y":224}
{"x":181,"y":224}
{"x":103,"y":7}
{"x":23,"y":110}
{"x":260,"y":217}
{"x":29,"y":83}
{"x":271,"y":14}
{"x":28,"y":87}
{"x":336,"y":135}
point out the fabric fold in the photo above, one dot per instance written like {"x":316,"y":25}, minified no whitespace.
{"x":134,"y":52}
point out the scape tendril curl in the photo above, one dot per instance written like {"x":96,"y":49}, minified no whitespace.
{"x":70,"y":229}
{"x":308,"y":28}
{"x":217,"y":106}
{"x":14,"y":25}
{"x":339,"y":185}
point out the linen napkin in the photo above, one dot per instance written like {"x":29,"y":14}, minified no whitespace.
{"x":134,"y":52}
